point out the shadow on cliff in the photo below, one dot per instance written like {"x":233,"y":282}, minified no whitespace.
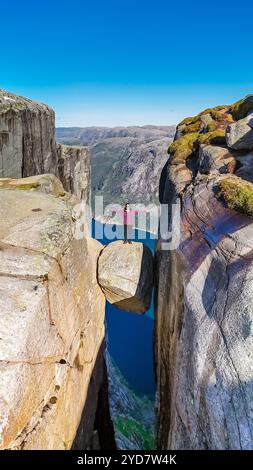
{"x":167,"y":188}
{"x":95,"y":430}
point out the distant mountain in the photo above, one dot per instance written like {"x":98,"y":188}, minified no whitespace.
{"x":91,"y":135}
{"x":126,"y":161}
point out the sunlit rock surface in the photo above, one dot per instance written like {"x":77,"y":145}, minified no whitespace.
{"x":28,"y":146}
{"x":73,"y":169}
{"x":239,"y":135}
{"x":27,"y":142}
{"x":51,"y":322}
{"x":48,"y":184}
{"x":125,"y":274}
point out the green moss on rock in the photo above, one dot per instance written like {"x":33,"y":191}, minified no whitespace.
{"x":27,"y":186}
{"x":191,"y":128}
{"x":130,"y":427}
{"x":215,"y":114}
{"x":237,"y":194}
{"x":207,"y":127}
{"x":183,"y":147}
{"x":216,"y":137}
{"x":212,"y":126}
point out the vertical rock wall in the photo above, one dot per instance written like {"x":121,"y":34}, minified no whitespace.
{"x":28,"y":147}
{"x":203,"y":295}
{"x":27,"y":142}
{"x":51,"y":324}
{"x":73,"y":169}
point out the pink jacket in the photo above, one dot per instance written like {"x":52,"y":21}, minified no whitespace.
{"x":128,"y":216}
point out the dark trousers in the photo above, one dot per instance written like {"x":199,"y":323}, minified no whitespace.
{"x":128,"y":232}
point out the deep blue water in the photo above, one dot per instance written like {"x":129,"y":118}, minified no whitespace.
{"x":130,"y":340}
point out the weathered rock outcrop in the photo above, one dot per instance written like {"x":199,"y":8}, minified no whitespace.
{"x":125,"y":274}
{"x":203,"y":295}
{"x":73,"y":169}
{"x":48,"y":184}
{"x":28,"y":146}
{"x":27,"y":142}
{"x":239,"y":135}
{"x":51,"y":322}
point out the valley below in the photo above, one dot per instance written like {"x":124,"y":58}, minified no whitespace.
{"x":126,"y":162}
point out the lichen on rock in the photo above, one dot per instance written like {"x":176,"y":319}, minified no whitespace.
{"x":237,"y":194}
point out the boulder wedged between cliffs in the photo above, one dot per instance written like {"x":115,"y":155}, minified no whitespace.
{"x":125,"y":275}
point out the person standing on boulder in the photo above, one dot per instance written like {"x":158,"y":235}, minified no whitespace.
{"x":128,"y":223}
{"x":128,"y":220}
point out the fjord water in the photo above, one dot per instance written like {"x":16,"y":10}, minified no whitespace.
{"x":130,"y":337}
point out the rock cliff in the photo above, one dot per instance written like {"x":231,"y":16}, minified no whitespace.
{"x":27,"y":141}
{"x":52,"y":321}
{"x":203,"y":295}
{"x":28,"y":146}
{"x":73,"y":169}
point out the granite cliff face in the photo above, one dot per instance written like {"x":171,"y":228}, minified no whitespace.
{"x":27,"y":141}
{"x":28,"y":146}
{"x":52,"y":322}
{"x":203,"y":295}
{"x":73,"y":169}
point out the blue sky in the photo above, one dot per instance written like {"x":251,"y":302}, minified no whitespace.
{"x":127,"y":62}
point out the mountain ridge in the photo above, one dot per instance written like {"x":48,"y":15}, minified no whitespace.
{"x":122,"y":158}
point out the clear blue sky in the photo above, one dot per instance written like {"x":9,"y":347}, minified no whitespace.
{"x":127,"y":62}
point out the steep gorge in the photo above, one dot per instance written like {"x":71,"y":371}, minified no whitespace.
{"x":54,"y":387}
